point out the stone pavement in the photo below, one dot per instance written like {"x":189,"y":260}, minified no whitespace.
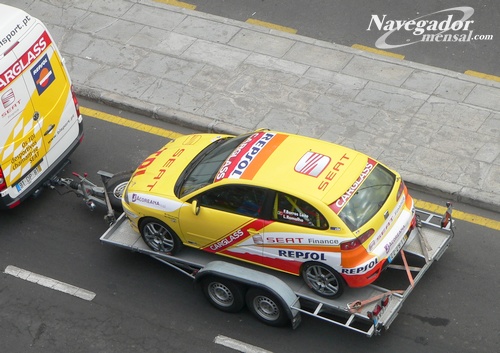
{"x":440,"y":129}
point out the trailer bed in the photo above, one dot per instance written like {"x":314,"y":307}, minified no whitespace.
{"x":426,"y":244}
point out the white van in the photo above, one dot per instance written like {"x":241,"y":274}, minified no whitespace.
{"x":40,"y":123}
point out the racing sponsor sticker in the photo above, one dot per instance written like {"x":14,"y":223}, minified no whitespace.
{"x":29,"y":57}
{"x":366,"y":267}
{"x":342,"y":200}
{"x":155,"y":202}
{"x":383,"y":231}
{"x":247,"y":158}
{"x":236,"y":236}
{"x":42,"y":74}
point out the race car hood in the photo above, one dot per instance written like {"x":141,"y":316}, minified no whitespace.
{"x":158,"y":173}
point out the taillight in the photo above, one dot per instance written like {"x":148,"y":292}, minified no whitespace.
{"x":3,"y":184}
{"x":400,"y":190}
{"x":356,"y":242}
{"x":373,"y":315}
{"x":75,"y":101}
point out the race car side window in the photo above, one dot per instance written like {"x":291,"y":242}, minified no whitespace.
{"x":240,"y":199}
{"x":290,"y":209}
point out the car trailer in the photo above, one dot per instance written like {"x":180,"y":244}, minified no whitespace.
{"x":277,"y":298}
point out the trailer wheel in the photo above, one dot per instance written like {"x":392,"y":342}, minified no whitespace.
{"x":115,"y":188}
{"x":266,"y":307}
{"x":323,"y":280}
{"x":224,"y":294}
{"x":159,"y":237}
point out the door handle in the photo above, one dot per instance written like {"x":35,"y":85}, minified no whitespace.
{"x":49,"y":130}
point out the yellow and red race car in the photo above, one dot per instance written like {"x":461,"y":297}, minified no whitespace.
{"x":291,"y":203}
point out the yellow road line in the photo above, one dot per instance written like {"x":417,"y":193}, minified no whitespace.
{"x":468,"y":217}
{"x":481,"y":75}
{"x":271,"y":25}
{"x":177,"y":3}
{"x":129,"y":123}
{"x":378,"y":51}
{"x":471,"y":218}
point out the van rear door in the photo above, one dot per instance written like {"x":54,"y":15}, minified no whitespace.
{"x":52,"y":98}
{"x":22,"y":149}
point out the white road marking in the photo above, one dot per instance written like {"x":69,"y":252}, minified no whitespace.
{"x":50,"y":283}
{"x":238,"y":345}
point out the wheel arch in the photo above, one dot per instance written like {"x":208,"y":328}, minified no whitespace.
{"x":303,"y":265}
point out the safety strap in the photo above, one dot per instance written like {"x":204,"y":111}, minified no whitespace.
{"x":357,"y":305}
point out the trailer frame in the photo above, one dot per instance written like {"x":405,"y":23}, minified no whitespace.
{"x":369,"y":310}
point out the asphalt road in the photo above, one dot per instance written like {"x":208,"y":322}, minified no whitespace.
{"x":142,"y":305}
{"x":349,"y":23}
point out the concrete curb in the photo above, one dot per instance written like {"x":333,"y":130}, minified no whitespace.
{"x":421,"y":183}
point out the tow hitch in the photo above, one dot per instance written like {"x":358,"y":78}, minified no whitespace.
{"x":107,"y":196}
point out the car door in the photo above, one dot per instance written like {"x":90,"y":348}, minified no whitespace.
{"x":226,"y":220}
{"x":298,"y":233}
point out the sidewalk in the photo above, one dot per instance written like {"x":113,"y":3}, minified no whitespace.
{"x":440,"y":129}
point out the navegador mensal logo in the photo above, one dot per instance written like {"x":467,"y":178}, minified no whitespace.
{"x":449,"y":25}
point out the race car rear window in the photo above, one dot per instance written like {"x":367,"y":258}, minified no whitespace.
{"x":368,"y":199}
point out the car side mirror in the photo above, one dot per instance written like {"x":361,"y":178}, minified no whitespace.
{"x":196,"y":207}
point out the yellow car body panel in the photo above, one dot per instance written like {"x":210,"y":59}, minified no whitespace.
{"x":299,"y":187}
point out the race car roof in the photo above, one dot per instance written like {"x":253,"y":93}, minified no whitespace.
{"x":291,"y":162}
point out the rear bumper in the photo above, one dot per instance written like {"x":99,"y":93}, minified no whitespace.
{"x":8,"y":202}
{"x":362,"y":280}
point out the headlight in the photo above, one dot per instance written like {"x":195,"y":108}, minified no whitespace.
{"x":125,"y":195}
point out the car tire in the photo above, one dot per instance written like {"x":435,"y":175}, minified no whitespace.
{"x":115,"y":188}
{"x":266,"y":307}
{"x":323,"y":280}
{"x":224,"y":294}
{"x":159,"y":237}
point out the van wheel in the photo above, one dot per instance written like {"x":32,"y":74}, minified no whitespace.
{"x":224,"y":294}
{"x":266,"y":307}
{"x":323,"y":280}
{"x":115,"y":188}
{"x":159,"y":237}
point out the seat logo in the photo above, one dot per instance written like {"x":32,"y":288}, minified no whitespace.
{"x":312,"y":164}
{"x":8,"y":98}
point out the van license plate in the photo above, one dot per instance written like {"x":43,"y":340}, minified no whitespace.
{"x":28,"y":178}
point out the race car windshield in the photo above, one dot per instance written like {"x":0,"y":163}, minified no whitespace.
{"x":368,"y":198}
{"x":203,"y":168}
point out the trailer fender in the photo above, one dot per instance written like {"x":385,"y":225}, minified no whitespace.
{"x":250,"y":279}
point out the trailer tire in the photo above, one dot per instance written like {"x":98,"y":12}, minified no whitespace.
{"x":115,"y":188}
{"x":323,"y":280}
{"x":266,"y":307}
{"x":224,"y":294}
{"x":159,"y":237}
